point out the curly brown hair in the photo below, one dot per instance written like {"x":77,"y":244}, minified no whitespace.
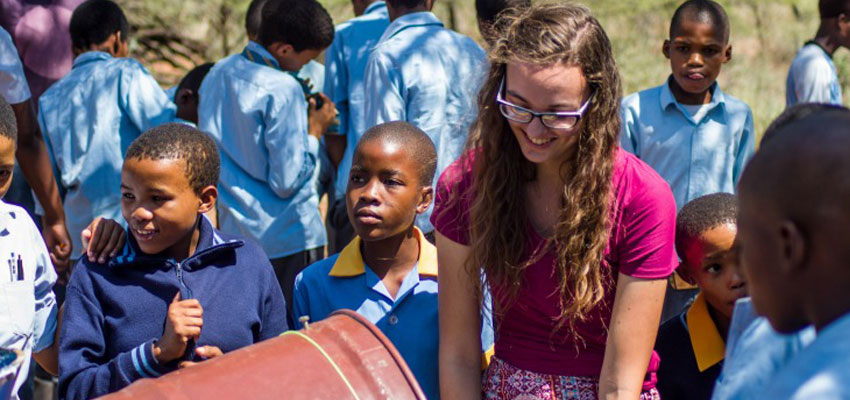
{"x":546,"y":34}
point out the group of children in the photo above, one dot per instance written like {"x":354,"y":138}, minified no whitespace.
{"x":217,"y":189}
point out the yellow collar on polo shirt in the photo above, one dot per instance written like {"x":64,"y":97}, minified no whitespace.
{"x":350,"y":261}
{"x":709,"y":347}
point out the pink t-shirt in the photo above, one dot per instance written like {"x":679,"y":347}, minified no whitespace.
{"x":641,"y":245}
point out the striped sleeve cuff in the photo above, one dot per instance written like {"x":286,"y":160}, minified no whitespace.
{"x":145,"y":363}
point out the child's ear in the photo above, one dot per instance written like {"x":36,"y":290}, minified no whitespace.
{"x":665,"y":48}
{"x":684,"y":271}
{"x":426,"y":197}
{"x":208,"y":197}
{"x":793,"y":246}
{"x":280,"y":49}
{"x":184,"y":96}
{"x":728,"y":54}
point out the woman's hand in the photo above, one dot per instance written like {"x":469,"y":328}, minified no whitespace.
{"x":631,"y":336}
{"x":460,"y":324}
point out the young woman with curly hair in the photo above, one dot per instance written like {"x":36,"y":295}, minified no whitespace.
{"x":572,"y":235}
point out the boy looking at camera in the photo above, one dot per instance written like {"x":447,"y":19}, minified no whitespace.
{"x":180,"y":291}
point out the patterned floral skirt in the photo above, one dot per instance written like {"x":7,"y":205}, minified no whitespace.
{"x":503,"y":381}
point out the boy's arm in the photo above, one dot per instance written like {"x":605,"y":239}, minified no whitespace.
{"x":293,"y":153}
{"x":746,"y":148}
{"x":143,"y":100}
{"x":336,"y":83}
{"x":85,"y":370}
{"x":383,"y":90}
{"x":274,"y":307}
{"x":45,"y":319}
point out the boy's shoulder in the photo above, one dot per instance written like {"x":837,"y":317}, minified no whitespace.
{"x":318,"y":271}
{"x":734,"y":105}
{"x":673,"y":336}
{"x":641,"y":100}
{"x":15,"y":218}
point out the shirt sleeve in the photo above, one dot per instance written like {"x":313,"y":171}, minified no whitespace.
{"x":746,"y":148}
{"x":85,"y":371}
{"x":383,"y":87}
{"x":293,"y":154}
{"x":814,"y":82}
{"x":142,"y":99}
{"x":13,"y":83}
{"x":46,"y":309}
{"x":646,"y":248}
{"x":300,"y":301}
{"x":452,"y":200}
{"x":336,"y":82}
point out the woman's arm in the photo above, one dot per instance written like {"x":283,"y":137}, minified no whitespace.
{"x":631,"y":336}
{"x":460,"y":321}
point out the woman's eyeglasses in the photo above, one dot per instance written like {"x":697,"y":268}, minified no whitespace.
{"x":553,"y":120}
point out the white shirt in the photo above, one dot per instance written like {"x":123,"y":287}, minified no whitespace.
{"x":28,"y":307}
{"x":13,"y":83}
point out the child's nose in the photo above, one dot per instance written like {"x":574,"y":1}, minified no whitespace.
{"x":695,"y":59}
{"x":142,"y":214}
{"x":736,"y":280}
{"x":370,"y":191}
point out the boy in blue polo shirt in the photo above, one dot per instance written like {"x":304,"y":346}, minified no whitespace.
{"x":90,"y":116}
{"x":427,"y":75}
{"x":388,"y":273}
{"x":269,"y":135}
{"x":180,"y":291}
{"x":694,"y":135}
{"x":812,"y":77}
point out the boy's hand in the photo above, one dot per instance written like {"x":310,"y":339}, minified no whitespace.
{"x":321,"y":118}
{"x":184,"y":322}
{"x":58,"y":243}
{"x":205,"y":352}
{"x":102,"y":239}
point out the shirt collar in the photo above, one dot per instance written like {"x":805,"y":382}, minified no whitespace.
{"x":254,"y":49}
{"x":90,"y":56}
{"x":708,"y":345}
{"x":375,"y":6}
{"x":667,"y":98}
{"x":422,"y":18}
{"x":350,"y":261}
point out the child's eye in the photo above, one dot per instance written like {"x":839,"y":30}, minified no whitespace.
{"x":713,"y":268}
{"x":356,"y":179}
{"x":393,"y":182}
{"x":682,"y":48}
{"x":158,"y":199}
{"x":127,"y":196}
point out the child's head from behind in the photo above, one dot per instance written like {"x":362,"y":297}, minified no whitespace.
{"x":295,"y":31}
{"x":794,"y":221}
{"x":8,"y":145}
{"x":99,"y":25}
{"x":488,"y":12}
{"x":705,"y":241}
{"x":697,"y":48}
{"x":253,"y":19}
{"x":187,"y":98}
{"x":169,"y":178}
{"x":390,"y":181}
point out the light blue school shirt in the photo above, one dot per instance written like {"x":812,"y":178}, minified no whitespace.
{"x":28,"y":307}
{"x":257,"y":115}
{"x":343,"y":281}
{"x":812,"y":78}
{"x":315,"y":72}
{"x":88,"y":119}
{"x":694,"y":157}
{"x":429,"y":76}
{"x":755,"y":353}
{"x":345,"y":65}
{"x":819,"y":371}
{"x":13,"y":83}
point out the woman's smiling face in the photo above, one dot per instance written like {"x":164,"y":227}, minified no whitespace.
{"x":546,"y":88}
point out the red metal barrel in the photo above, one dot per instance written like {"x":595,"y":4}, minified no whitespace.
{"x":342,"y":357}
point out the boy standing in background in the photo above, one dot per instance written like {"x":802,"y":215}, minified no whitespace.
{"x":695,"y":136}
{"x":90,"y":116}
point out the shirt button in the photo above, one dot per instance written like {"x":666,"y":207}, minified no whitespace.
{"x":393,"y":319}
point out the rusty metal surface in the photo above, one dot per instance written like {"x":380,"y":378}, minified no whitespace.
{"x":292,"y":367}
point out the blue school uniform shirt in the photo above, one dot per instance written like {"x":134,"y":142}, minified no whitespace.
{"x":114,"y":312}
{"x":755,"y":352}
{"x":315,"y":72}
{"x":819,"y":371}
{"x":694,"y":157}
{"x":13,"y":83}
{"x":812,"y":78}
{"x":343,"y":281}
{"x":345,"y":65}
{"x":27,"y":305}
{"x":429,"y":76}
{"x":257,"y":114}
{"x":89,"y":118}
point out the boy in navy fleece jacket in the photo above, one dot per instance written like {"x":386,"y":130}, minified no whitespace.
{"x":181,"y":291}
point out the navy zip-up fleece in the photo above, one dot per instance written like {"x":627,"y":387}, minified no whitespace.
{"x":115,"y":312}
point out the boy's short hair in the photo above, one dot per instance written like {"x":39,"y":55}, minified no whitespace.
{"x":254,"y":17}
{"x":411,"y":138}
{"x":176,"y":141}
{"x":704,"y":213}
{"x":488,"y":10}
{"x":193,"y":79}
{"x":832,"y":8}
{"x":93,"y":21}
{"x":303,"y":24}
{"x":705,"y":11}
{"x":794,"y":113}
{"x":8,"y":123}
{"x":405,"y":3}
